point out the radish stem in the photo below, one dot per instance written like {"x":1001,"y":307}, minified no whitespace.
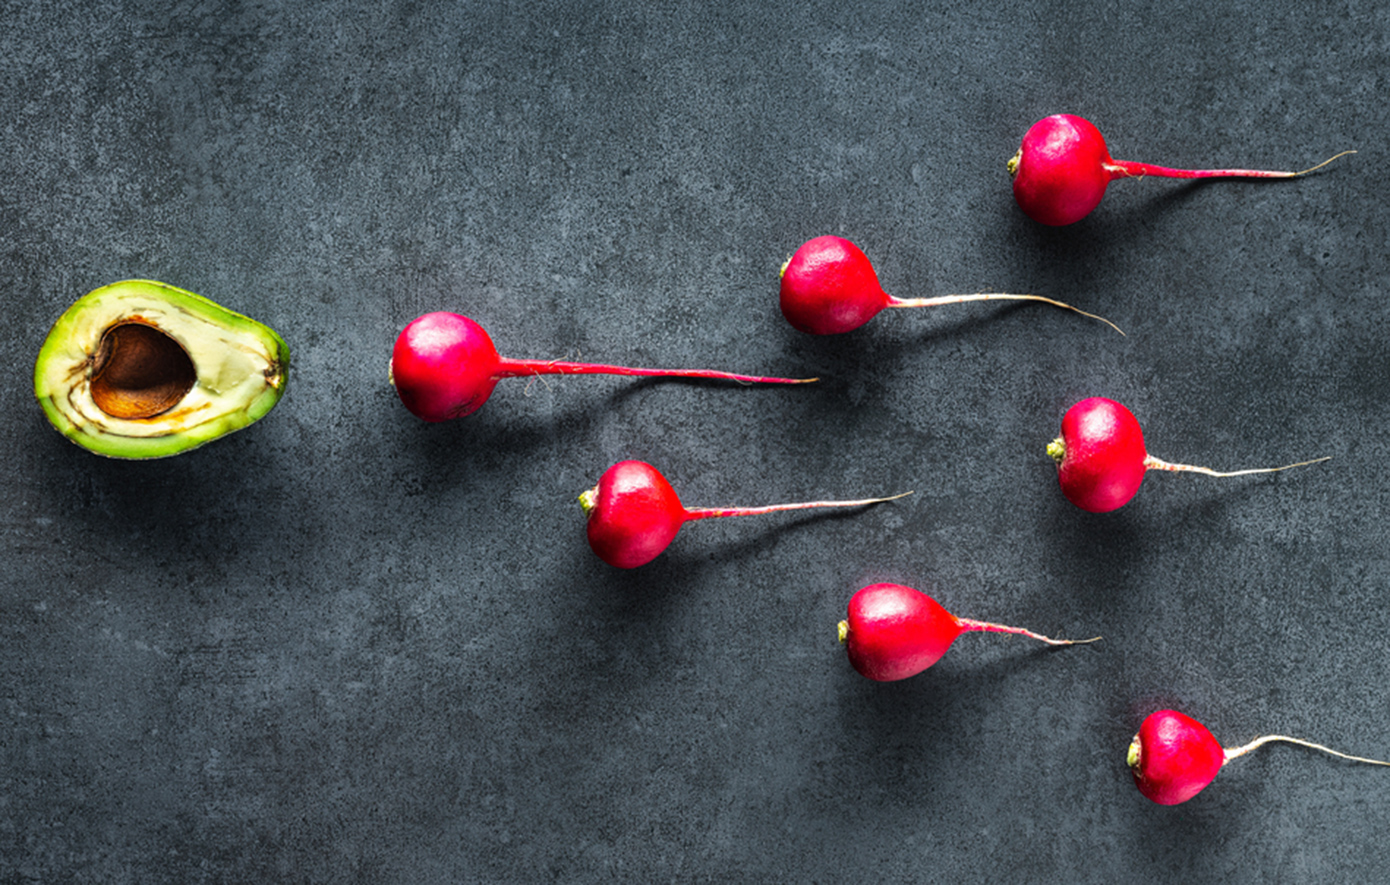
{"x":1131,"y":169}
{"x":515,"y":368}
{"x":987,"y":627}
{"x":694,"y":513}
{"x":991,"y":296}
{"x":1153,"y":463}
{"x":1269,"y":738}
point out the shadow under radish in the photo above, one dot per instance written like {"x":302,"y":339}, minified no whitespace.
{"x":1213,"y":495}
{"x":1178,"y":838}
{"x":614,"y":646}
{"x":697,"y":555}
{"x":928,"y":724}
{"x":1085,"y":263}
{"x":855,"y":353}
{"x":626,"y":627}
{"x":863,"y":375}
{"x":1104,"y":558}
{"x":1174,"y":192}
{"x":499,"y":433}
{"x":1102,"y":549}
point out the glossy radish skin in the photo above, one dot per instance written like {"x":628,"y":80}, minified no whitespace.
{"x":1101,"y":460}
{"x":1061,"y":170}
{"x":1102,"y":455}
{"x":1063,"y":166}
{"x":1173,"y":757}
{"x":445,"y":366}
{"x":634,"y":513}
{"x":829,"y":286}
{"x":893,"y":631}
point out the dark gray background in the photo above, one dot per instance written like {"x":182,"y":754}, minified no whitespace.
{"x":346,"y":646}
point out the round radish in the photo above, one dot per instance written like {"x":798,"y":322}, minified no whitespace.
{"x":1174,"y":757}
{"x":894,"y":631}
{"x":829,"y":286}
{"x":445,"y":366}
{"x":1061,"y":171}
{"x":634,"y":514}
{"x":1101,"y":459}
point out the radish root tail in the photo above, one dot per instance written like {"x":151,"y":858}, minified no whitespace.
{"x":994,"y":296}
{"x":1153,"y":463}
{"x":1269,"y":738}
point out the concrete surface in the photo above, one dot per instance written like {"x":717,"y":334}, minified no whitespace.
{"x":346,"y":646}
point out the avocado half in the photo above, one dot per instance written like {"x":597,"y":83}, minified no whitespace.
{"x":140,"y":369}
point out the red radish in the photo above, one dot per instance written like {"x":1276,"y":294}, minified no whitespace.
{"x":1174,"y":757}
{"x":445,"y":366}
{"x":1101,"y":459}
{"x":829,"y":287}
{"x":894,"y":632}
{"x":634,"y":514}
{"x":1061,"y":170}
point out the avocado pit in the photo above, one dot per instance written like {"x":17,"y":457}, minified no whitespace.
{"x":140,"y":372}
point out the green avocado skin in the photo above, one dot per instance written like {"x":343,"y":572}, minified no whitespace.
{"x":241,"y":364}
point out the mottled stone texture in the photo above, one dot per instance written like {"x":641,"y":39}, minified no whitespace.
{"x":344,"y":646}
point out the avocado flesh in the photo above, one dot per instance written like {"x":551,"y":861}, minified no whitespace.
{"x":140,"y":369}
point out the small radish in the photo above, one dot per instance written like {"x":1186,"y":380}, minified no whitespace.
{"x":634,"y":514}
{"x":445,"y":366}
{"x":1101,"y":458}
{"x":1174,"y":757}
{"x":829,"y":287}
{"x":1061,"y":170}
{"x":894,"y":632}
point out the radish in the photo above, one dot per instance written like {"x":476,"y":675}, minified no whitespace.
{"x":1101,"y":459}
{"x":1174,"y":757}
{"x":1061,"y":170}
{"x":634,"y":514}
{"x":445,"y":366}
{"x":894,"y":632}
{"x":829,"y":287}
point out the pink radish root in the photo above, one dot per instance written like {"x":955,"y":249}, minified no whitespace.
{"x":633,"y":513}
{"x":828,"y":287}
{"x":445,"y":366}
{"x":1173,"y":757}
{"x":1101,"y":459}
{"x":1063,"y":166}
{"x":893,"y":631}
